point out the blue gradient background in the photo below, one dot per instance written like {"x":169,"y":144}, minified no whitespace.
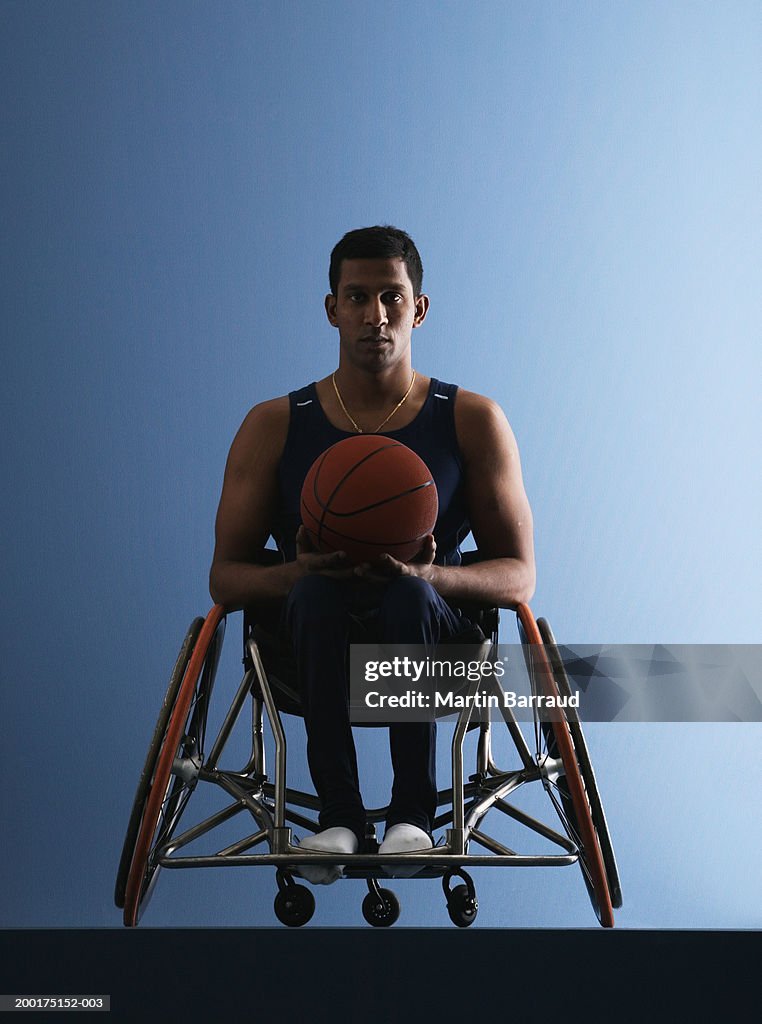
{"x":583,"y":183}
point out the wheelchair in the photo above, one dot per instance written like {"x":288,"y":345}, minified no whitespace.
{"x":552,"y":754}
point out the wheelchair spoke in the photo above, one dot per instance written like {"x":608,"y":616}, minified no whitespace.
{"x":191,"y":751}
{"x":558,"y":798}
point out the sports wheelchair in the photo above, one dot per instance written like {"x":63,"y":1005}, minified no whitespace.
{"x":178,"y":760}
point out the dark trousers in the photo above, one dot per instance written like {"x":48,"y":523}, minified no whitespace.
{"x":320,"y":614}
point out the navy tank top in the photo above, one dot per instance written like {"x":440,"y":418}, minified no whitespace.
{"x":431,"y":435}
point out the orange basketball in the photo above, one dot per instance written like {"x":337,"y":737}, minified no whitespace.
{"x":369,"y":495}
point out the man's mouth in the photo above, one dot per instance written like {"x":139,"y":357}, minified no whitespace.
{"x":374,"y":339}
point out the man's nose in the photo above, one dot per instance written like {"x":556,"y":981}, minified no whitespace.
{"x":375,"y":313}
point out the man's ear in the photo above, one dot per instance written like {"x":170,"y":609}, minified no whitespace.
{"x":421,"y":309}
{"x":330,"y":309}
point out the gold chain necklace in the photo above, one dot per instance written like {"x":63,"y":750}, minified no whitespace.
{"x":383,"y":423}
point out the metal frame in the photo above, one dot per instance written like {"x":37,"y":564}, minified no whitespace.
{"x":275,"y":808}
{"x":175,"y":765}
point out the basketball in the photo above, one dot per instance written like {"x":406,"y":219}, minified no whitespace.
{"x":369,"y":495}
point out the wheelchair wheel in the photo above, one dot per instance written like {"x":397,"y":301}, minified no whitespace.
{"x":294,"y":905}
{"x":381,"y":908}
{"x":138,"y":805}
{"x":462,"y":904}
{"x":573,"y":806}
{"x":585,"y":765}
{"x":462,"y":907}
{"x":172,"y":767}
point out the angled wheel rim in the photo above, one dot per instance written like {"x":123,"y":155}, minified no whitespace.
{"x":592,"y":849}
{"x":137,"y":893}
{"x":149,"y":767}
{"x":586,"y":766}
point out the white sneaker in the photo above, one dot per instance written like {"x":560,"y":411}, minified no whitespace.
{"x":332,"y":840}
{"x":404,"y":838}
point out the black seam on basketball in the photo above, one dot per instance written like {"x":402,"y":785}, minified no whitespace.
{"x":314,"y":485}
{"x":376,"y":543}
{"x":377,"y":504}
{"x":325,"y":508}
{"x":348,"y":473}
{"x":305,"y":510}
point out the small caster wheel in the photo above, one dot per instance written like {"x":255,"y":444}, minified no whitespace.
{"x":294,"y":905}
{"x":381,"y":908}
{"x":462,"y":906}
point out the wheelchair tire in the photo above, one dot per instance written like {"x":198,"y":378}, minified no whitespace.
{"x":462,"y":907}
{"x":585,"y":765}
{"x":577,"y":807}
{"x":138,"y":804}
{"x":381,"y":909}
{"x":294,"y":905}
{"x":165,"y":795}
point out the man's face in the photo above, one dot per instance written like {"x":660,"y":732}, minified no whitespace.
{"x":375,"y":312}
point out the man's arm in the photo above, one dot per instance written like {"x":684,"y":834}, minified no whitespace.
{"x":246,"y":512}
{"x":501,"y":519}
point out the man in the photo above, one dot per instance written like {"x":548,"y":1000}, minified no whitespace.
{"x":375,"y":303}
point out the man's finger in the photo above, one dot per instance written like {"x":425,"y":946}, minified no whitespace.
{"x":331,"y":560}
{"x":303,"y":544}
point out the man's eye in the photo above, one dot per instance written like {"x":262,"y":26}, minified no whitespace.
{"x":393,"y":297}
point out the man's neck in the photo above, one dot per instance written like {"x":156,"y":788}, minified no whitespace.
{"x":365,"y":400}
{"x":371,"y":390}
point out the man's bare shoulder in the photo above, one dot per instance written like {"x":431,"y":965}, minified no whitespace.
{"x":271,"y":415}
{"x":471,"y":404}
{"x":262,"y":435}
{"x":480,"y":422}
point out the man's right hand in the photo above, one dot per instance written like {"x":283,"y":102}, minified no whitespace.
{"x":335,"y":564}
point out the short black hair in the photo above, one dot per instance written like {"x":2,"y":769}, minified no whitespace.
{"x":381,"y":242}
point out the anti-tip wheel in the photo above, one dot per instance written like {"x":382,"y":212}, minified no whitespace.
{"x":294,"y":905}
{"x":462,"y":906}
{"x":381,"y":908}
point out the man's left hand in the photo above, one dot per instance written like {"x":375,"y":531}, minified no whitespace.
{"x":388,"y":567}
